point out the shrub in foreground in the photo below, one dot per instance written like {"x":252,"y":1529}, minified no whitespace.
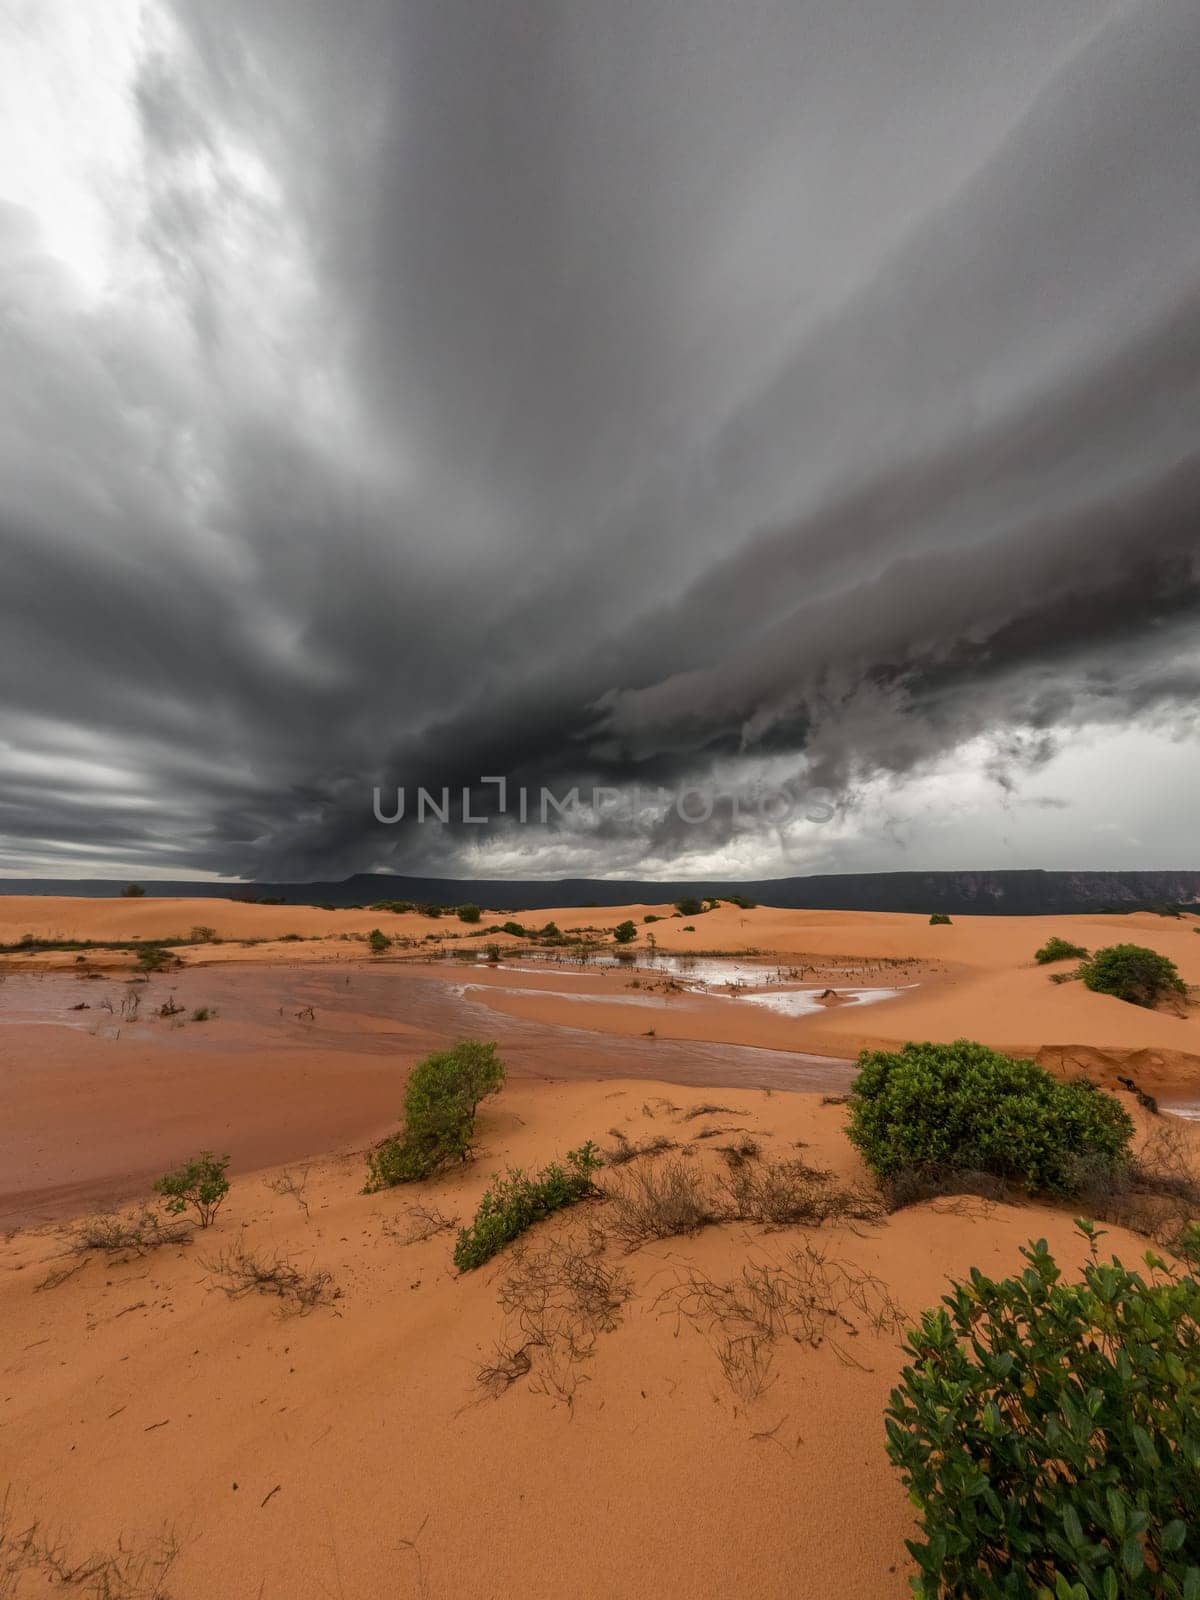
{"x":1049,"y":1433}
{"x":963,"y":1106}
{"x":515,"y":1202}
{"x":625,"y":932}
{"x":378,"y":941}
{"x":441,"y":1099}
{"x":200,"y":1184}
{"x":1132,"y":972}
{"x":1056,"y":949}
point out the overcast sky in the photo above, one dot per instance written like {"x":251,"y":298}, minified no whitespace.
{"x":685,"y":395}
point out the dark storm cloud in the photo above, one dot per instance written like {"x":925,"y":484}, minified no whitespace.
{"x":670,"y":388}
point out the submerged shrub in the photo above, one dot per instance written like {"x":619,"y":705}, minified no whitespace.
{"x":963,"y":1106}
{"x":440,"y":1102}
{"x":200,"y":1183}
{"x":1056,"y":949}
{"x":515,"y":1202}
{"x":1049,"y":1433}
{"x":1132,"y":972}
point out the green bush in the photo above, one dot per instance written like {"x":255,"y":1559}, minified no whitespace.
{"x":379,"y":941}
{"x":200,"y":1183}
{"x":132,"y":891}
{"x":430,"y":910}
{"x":689,"y":906}
{"x":153,"y":958}
{"x":469,"y":913}
{"x":515,"y":930}
{"x":1132,"y":972}
{"x":441,"y":1099}
{"x":962,"y":1106}
{"x":515,"y":1202}
{"x":625,"y":932}
{"x":1056,"y":949}
{"x":1049,"y":1434}
{"x":940,"y":919}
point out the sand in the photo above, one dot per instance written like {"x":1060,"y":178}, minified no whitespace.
{"x":350,"y":1451}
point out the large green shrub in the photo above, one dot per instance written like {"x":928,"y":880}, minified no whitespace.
{"x":469,"y":913}
{"x":961,"y":1105}
{"x":1132,"y":973}
{"x":940,"y":919}
{"x":516,"y":1202}
{"x":1056,"y":949}
{"x":625,"y":932}
{"x":1049,"y":1434}
{"x":440,"y":1102}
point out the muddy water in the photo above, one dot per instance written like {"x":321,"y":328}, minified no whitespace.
{"x":297,"y":1061}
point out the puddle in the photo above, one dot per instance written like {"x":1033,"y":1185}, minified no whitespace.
{"x":806,"y":1002}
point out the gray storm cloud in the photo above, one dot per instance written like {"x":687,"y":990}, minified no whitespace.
{"x":587,"y":394}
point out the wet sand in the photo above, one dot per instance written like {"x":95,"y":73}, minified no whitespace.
{"x":297,"y":1061}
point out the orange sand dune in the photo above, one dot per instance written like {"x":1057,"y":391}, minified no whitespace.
{"x":350,"y":1452}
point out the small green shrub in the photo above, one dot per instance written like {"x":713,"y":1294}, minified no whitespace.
{"x":378,"y":941}
{"x":469,"y":913}
{"x":201,"y":934}
{"x":940,"y":919}
{"x":430,"y":910}
{"x":1056,"y":949}
{"x":441,"y":1099}
{"x":153,"y":958}
{"x":625,"y":932}
{"x":1133,"y":973}
{"x":202,"y":1014}
{"x":650,"y":917}
{"x":396,"y":907}
{"x":689,"y":906}
{"x":515,"y":1202}
{"x":1049,"y":1434}
{"x":515,"y":930}
{"x":200,"y":1183}
{"x":963,"y":1106}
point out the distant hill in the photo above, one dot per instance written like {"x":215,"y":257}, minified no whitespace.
{"x":1001,"y":893}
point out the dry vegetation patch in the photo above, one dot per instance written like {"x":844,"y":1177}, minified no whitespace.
{"x":31,"y":1553}
{"x":782,"y":1193}
{"x":240,"y":1272}
{"x":660,"y":1200}
{"x":807,"y":1297}
{"x":128,"y":1234}
{"x":420,"y":1222}
{"x":559,"y":1297}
